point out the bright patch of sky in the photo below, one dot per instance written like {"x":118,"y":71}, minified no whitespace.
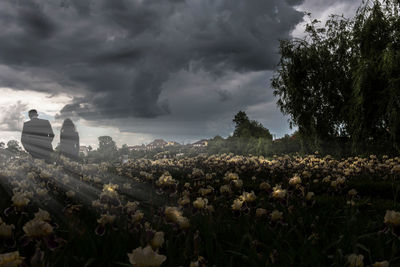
{"x":321,"y":10}
{"x":14,"y":107}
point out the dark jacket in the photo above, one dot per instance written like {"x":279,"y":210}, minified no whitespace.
{"x":69,"y":144}
{"x":36,"y":138}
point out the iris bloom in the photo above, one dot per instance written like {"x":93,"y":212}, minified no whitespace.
{"x":145,"y":257}
{"x":392,"y":218}
{"x":355,"y":260}
{"x":6,"y":230}
{"x":37,"y":228}
{"x":276,"y":215}
{"x":12,"y":259}
{"x":200,"y":203}
{"x":158,"y":240}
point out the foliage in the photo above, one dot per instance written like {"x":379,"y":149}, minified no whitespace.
{"x":13,"y":147}
{"x":249,"y":137}
{"x":340,"y":84}
{"x":239,"y":211}
{"x":245,"y":128}
{"x":107,"y":149}
{"x":289,"y":144}
{"x":124,"y":150}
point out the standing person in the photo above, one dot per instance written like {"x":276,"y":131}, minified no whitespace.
{"x":37,"y":136}
{"x":69,"y":140}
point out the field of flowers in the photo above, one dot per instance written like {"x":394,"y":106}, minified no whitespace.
{"x":220,"y":210}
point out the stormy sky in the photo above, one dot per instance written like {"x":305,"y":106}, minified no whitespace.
{"x":143,"y":69}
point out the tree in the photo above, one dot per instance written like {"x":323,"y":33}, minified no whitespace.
{"x":107,"y":148}
{"x":14,"y":147}
{"x":241,"y":118}
{"x":288,"y":144}
{"x":245,"y":128}
{"x":341,"y":81}
{"x":376,"y":86}
{"x":249,"y":137}
{"x":217,"y":145}
{"x":2,"y":144}
{"x":106,"y":143}
{"x":124,"y":150}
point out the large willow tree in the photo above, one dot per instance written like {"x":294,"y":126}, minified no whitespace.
{"x":342,"y":81}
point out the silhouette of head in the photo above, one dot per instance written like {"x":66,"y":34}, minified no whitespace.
{"x":68,"y":126}
{"x":33,"y":113}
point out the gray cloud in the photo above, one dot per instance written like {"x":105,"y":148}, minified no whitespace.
{"x":35,"y":22}
{"x":198,"y":112}
{"x":119,"y":56}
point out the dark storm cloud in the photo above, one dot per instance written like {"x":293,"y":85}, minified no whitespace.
{"x":294,"y":2}
{"x":35,"y":22}
{"x":118,"y":55}
{"x":81,"y":6}
{"x":204,"y":114}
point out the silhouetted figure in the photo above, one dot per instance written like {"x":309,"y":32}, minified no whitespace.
{"x":37,"y":136}
{"x":69,"y":140}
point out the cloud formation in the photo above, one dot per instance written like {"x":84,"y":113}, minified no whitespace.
{"x":321,"y":10}
{"x":11,"y":117}
{"x":116,"y":57}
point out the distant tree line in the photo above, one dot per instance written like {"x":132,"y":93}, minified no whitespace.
{"x":108,"y":151}
{"x":340,"y":84}
{"x":252,"y":138}
{"x":11,"y":149}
